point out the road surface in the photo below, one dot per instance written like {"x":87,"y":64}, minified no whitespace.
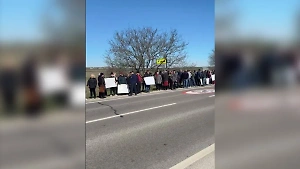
{"x":148,"y":131}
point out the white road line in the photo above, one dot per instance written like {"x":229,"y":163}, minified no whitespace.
{"x":130,"y":113}
{"x":212,"y":96}
{"x":189,"y":161}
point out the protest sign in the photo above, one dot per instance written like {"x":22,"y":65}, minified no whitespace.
{"x":213,"y":78}
{"x":110,"y":82}
{"x":149,"y":80}
{"x":46,"y":76}
{"x":123,"y":89}
{"x":207,"y":80}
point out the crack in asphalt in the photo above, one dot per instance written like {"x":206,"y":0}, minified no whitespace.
{"x":112,"y":108}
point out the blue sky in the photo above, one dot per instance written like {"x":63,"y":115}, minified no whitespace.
{"x":194,"y":20}
{"x":268,"y":18}
{"x":20,"y":20}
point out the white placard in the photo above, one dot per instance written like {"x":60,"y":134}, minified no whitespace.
{"x":110,"y":82}
{"x":207,"y":80}
{"x":123,"y":88}
{"x":213,"y":78}
{"x":77,"y":95}
{"x":46,"y":76}
{"x":149,"y":80}
{"x":201,"y":81}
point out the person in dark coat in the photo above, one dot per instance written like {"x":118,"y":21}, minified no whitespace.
{"x":204,"y":77}
{"x":92,"y":84}
{"x":133,"y":79}
{"x":179,"y":78}
{"x":122,"y":79}
{"x":33,"y":98}
{"x":9,"y":83}
{"x":101,"y":84}
{"x":165,"y":78}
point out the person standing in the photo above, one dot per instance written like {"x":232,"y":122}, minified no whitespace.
{"x":179,"y":78}
{"x":9,"y":83}
{"x":147,"y":87}
{"x":158,"y":80}
{"x":213,"y":73}
{"x":185,"y":78}
{"x":139,"y":82}
{"x":194,"y":78}
{"x":170,"y":80}
{"x":201,"y":76}
{"x":92,"y":84}
{"x":204,"y":78}
{"x":122,"y":79}
{"x":165,"y":79}
{"x":33,"y":98}
{"x":190,"y":78}
{"x":113,"y":90}
{"x":133,"y":79}
{"x":101,"y":84}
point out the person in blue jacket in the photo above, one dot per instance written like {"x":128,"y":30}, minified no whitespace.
{"x":133,"y":79}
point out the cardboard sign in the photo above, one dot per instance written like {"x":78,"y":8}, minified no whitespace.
{"x":213,"y":78}
{"x":149,"y":80}
{"x":110,"y":82}
{"x":123,"y":89}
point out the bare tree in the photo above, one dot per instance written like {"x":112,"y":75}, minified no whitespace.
{"x":211,"y":58}
{"x":140,"y":48}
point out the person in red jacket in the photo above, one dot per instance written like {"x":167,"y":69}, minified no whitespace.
{"x":139,"y":83}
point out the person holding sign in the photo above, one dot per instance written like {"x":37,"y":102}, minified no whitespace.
{"x":147,"y":87}
{"x":113,"y":90}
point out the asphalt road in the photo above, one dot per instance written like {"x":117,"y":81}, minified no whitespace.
{"x":158,"y":130}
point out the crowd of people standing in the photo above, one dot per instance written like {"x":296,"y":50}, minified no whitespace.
{"x":164,"y":80}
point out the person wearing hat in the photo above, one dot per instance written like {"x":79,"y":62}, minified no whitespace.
{"x":101,"y":84}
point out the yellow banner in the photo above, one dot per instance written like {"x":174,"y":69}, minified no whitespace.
{"x":161,"y":61}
